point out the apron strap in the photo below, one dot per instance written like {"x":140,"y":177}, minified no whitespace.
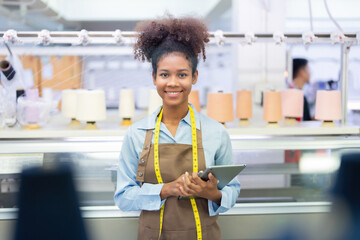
{"x":199,"y":137}
{"x":140,"y":174}
{"x":146,"y":150}
{"x":148,"y":137}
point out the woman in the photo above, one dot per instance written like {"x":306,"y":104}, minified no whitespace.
{"x":161,"y":154}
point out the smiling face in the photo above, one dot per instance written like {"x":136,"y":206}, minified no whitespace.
{"x":174,"y":79}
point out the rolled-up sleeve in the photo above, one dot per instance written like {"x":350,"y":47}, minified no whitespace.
{"x":231,"y":191}
{"x":129,"y":195}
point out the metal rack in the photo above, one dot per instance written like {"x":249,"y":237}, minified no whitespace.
{"x":219,"y":37}
{"x":118,"y":37}
{"x":113,"y":40}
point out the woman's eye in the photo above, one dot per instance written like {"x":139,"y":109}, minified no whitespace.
{"x":164,"y":75}
{"x":182,"y":75}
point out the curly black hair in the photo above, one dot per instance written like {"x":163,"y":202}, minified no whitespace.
{"x":163,"y":36}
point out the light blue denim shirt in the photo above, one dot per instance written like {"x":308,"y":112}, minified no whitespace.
{"x":130,"y":196}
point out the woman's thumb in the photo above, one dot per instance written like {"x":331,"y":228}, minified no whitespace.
{"x":211,"y":178}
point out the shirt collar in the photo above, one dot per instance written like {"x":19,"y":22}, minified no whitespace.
{"x":292,"y":85}
{"x":151,"y":120}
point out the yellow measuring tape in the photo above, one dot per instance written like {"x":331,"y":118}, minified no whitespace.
{"x":195,"y":168}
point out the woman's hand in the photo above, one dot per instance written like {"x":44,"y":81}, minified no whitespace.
{"x":172,"y":189}
{"x":193,"y":185}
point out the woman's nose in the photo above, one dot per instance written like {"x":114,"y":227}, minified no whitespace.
{"x":173,"y":81}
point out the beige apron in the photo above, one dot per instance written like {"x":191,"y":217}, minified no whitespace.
{"x":179,"y":222}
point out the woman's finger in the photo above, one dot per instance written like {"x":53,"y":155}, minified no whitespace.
{"x":188,"y":190}
{"x":199,"y":181}
{"x":183,"y":192}
{"x":191,"y":186}
{"x":193,"y":177}
{"x":188,"y":178}
{"x":194,"y":188}
{"x":212,"y":179}
{"x":185,"y":188}
{"x":187,"y":182}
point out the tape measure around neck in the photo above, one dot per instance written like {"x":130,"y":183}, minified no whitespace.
{"x":195,"y":168}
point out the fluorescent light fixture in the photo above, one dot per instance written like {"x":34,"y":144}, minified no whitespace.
{"x":312,"y":163}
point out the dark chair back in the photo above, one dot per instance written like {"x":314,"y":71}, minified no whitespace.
{"x":48,"y":206}
{"x":347,"y":189}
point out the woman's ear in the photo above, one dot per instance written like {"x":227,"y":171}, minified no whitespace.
{"x":195,"y":77}
{"x":154,"y":78}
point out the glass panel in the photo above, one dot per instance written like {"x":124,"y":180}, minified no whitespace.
{"x":94,"y":175}
{"x":286,"y":175}
{"x":270,"y":175}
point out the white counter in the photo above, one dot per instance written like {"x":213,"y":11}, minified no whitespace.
{"x":238,"y":209}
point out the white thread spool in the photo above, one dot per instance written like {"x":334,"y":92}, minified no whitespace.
{"x":126,"y":106}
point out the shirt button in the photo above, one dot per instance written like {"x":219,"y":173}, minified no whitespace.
{"x":140,"y":174}
{"x":142,"y":161}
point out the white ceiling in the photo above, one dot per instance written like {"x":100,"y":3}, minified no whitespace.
{"x":125,"y":10}
{"x":340,"y":9}
{"x":102,"y":14}
{"x":345,"y":12}
{"x":124,"y":14}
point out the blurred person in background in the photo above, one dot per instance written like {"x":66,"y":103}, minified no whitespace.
{"x":301,"y":76}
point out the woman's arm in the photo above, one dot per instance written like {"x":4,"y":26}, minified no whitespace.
{"x":224,"y":156}
{"x":129,"y":196}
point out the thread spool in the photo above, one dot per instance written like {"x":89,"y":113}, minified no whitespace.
{"x":69,"y":104}
{"x":292,"y":101}
{"x":328,"y":107}
{"x":194,"y":99}
{"x":272,"y":108}
{"x":91,"y":107}
{"x":32,"y":110}
{"x":126,"y":106}
{"x":155,"y":101}
{"x":243,"y":107}
{"x":7,"y":69}
{"x":220,"y":107}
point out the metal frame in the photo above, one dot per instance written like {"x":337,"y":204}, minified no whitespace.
{"x":344,"y":81}
{"x":108,"y":37}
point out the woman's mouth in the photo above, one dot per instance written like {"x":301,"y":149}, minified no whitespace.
{"x":173,"y":93}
